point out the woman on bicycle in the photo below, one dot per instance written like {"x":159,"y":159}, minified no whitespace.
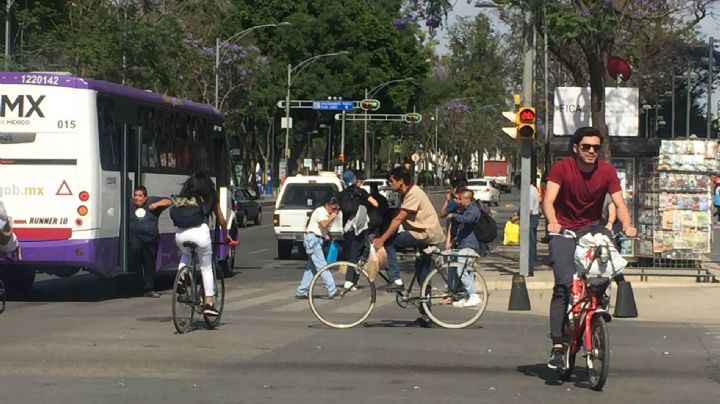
{"x":201,"y":188}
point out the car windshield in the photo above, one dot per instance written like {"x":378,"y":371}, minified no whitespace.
{"x":482,"y":183}
{"x":306,"y":196}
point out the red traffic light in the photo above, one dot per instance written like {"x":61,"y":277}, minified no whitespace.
{"x":413,"y":118}
{"x":527,"y":114}
{"x":370,"y":105}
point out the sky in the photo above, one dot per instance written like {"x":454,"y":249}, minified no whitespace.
{"x":710,"y":26}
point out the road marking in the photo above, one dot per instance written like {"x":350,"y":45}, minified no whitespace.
{"x":235,"y":293}
{"x":245,"y":303}
{"x":259,"y":251}
{"x":294,"y":307}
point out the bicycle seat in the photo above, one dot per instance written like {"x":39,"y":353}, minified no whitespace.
{"x":190,"y":245}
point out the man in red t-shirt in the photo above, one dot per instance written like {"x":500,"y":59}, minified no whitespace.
{"x":573,"y":200}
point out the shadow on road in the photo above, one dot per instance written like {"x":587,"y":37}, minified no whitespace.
{"x":91,"y":288}
{"x":541,"y":371}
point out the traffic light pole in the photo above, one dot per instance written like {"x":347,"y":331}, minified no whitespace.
{"x":526,"y":148}
{"x":342,"y":142}
{"x":366,"y":158}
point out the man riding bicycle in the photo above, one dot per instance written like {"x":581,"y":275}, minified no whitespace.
{"x":422,"y":229}
{"x":576,"y":189}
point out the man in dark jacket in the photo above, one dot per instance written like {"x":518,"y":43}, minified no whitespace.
{"x":143,"y":236}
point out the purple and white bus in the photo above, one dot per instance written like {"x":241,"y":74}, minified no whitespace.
{"x":71,"y":150}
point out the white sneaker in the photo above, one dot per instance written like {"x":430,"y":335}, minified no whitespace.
{"x":471,"y":301}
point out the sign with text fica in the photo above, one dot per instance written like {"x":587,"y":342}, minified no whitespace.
{"x":572,"y":110}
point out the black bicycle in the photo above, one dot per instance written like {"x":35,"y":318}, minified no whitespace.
{"x":189,"y":294}
{"x":456,"y":295}
{"x":2,"y":297}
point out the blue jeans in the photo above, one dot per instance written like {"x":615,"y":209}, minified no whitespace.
{"x":462,"y":266}
{"x":405,"y":240}
{"x":316,"y":260}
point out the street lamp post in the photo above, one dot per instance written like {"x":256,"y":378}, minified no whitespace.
{"x":368,"y":94}
{"x":236,"y":37}
{"x":299,"y":67}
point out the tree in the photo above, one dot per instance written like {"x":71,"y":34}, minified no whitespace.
{"x":584,"y":33}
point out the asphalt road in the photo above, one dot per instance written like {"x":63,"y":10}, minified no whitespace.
{"x":89,"y":340}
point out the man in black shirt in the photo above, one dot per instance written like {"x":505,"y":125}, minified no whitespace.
{"x":143,"y":236}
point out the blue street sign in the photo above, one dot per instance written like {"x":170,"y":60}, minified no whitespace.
{"x":333,"y":105}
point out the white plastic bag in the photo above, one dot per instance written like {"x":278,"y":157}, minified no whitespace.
{"x":584,"y":257}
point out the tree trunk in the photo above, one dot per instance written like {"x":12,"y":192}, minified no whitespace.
{"x":598,"y":72}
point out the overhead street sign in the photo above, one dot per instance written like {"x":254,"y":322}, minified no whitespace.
{"x":334,"y":105}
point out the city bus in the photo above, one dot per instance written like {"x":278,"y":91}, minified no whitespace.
{"x":72,"y":150}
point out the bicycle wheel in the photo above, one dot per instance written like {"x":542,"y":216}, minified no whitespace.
{"x":183,"y":302}
{"x":570,"y":353}
{"x":598,"y":362}
{"x":2,"y":297}
{"x":349,"y":307}
{"x":213,"y":321}
{"x":448,"y":302}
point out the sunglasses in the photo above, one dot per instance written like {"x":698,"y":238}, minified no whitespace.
{"x":586,"y":147}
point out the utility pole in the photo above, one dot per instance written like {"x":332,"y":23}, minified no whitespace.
{"x":526,"y":147}
{"x":366,"y":156}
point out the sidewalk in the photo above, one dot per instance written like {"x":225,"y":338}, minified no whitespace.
{"x":658,"y":299}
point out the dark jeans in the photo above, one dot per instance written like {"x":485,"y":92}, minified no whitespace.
{"x":141,"y":258}
{"x":353,"y":250}
{"x":405,"y":240}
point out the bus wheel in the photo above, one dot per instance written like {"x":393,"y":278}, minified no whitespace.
{"x":18,"y":281}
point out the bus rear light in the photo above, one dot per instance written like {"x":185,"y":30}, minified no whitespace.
{"x":82,"y":210}
{"x":78,"y":222}
{"x":84,"y":196}
{"x":276,"y":219}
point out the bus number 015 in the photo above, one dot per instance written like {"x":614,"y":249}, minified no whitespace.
{"x":66,"y":124}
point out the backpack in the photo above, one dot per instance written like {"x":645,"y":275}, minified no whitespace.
{"x":350,"y":200}
{"x":485,"y":228}
{"x":187,"y":212}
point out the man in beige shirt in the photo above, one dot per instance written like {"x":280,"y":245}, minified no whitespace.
{"x":422,"y":228}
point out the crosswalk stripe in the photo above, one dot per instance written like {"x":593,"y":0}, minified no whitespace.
{"x":294,"y":307}
{"x":239,"y":292}
{"x":244,"y":303}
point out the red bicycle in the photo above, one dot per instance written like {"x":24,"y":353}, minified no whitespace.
{"x":585,"y":326}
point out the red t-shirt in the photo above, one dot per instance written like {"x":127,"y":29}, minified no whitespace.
{"x":580,"y":199}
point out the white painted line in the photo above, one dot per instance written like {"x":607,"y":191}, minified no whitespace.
{"x":294,"y":307}
{"x":245,"y":303}
{"x":259,"y":251}
{"x":239,"y":292}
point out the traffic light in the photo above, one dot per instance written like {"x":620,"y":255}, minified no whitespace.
{"x":341,"y":157}
{"x":370,"y":105}
{"x":512,"y":130}
{"x":526,"y":123}
{"x":413,"y":117}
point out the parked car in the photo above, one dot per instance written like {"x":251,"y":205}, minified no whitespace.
{"x":392,"y":197}
{"x":297,"y":198}
{"x":246,"y":207}
{"x":484,"y":190}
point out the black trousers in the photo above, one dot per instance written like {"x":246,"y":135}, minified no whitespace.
{"x":141,"y":259}
{"x":353,"y":250}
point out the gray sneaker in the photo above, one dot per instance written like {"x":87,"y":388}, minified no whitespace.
{"x":557,"y":359}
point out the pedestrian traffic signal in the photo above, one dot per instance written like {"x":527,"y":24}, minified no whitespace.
{"x":370,"y":105}
{"x":526,"y":123}
{"x":413,"y":117}
{"x":341,"y":157}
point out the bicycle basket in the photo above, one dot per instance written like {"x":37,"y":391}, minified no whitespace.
{"x":607,"y":265}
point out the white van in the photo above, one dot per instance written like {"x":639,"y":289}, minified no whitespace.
{"x":297,"y":198}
